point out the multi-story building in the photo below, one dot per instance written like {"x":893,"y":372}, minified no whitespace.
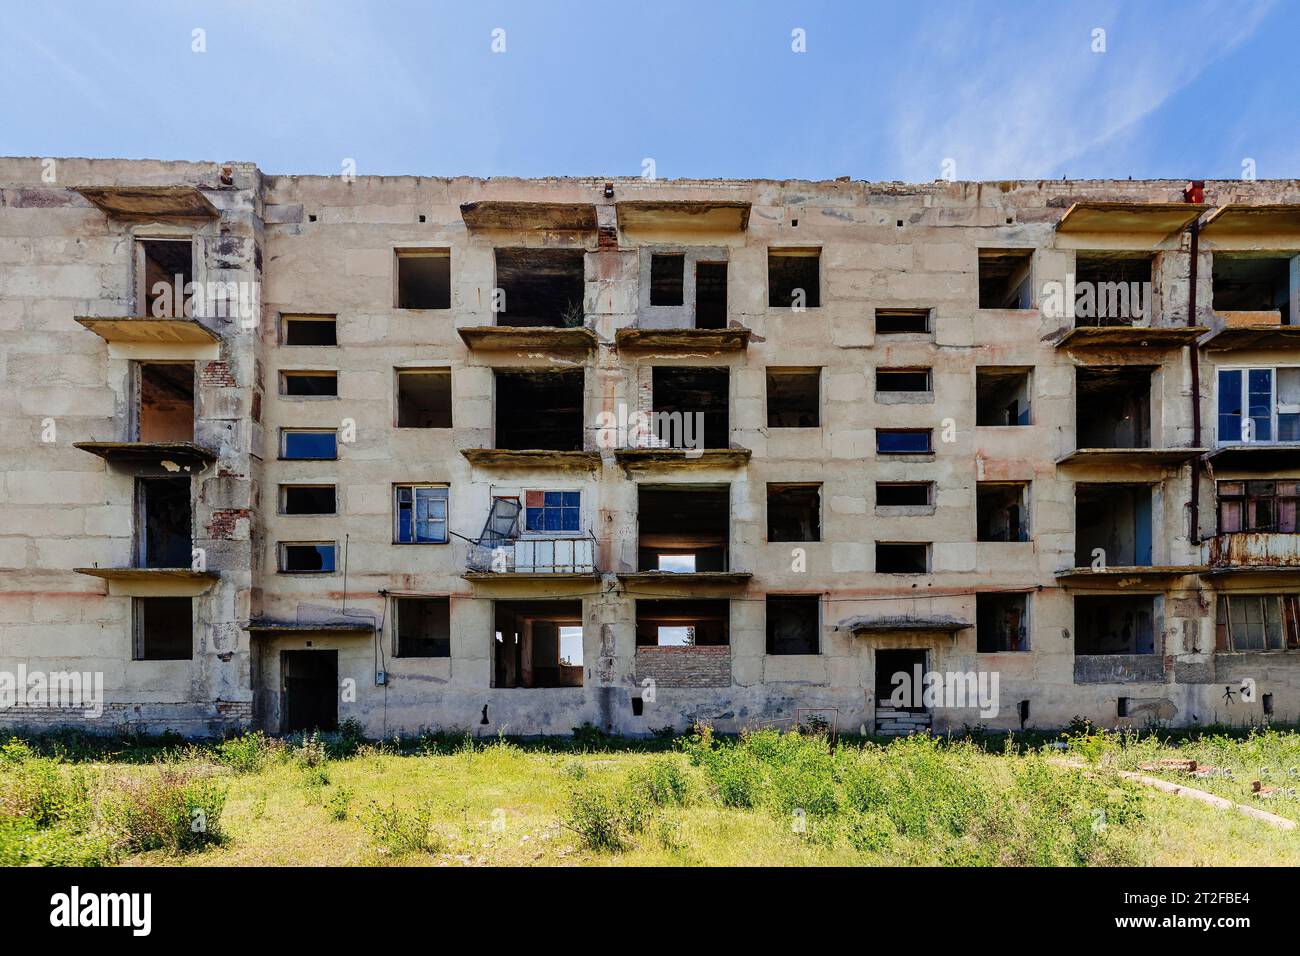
{"x":516,"y":455}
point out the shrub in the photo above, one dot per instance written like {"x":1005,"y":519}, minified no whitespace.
{"x":248,"y":753}
{"x":589,"y":736}
{"x":868,"y":831}
{"x":663,"y":782}
{"x":605,"y":816}
{"x":339,"y":802}
{"x":175,"y":809}
{"x":396,"y":831}
{"x":44,"y":791}
{"x":308,"y":750}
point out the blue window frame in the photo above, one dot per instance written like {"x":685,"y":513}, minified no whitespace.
{"x":902,"y":442}
{"x":310,"y":445}
{"x":553,"y":512}
{"x":421,"y":514}
{"x":307,"y":558}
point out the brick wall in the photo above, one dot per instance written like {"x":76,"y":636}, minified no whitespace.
{"x":685,"y":666}
{"x":224,"y":520}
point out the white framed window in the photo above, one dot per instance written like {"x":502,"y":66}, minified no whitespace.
{"x":420,"y":514}
{"x":1258,"y":405}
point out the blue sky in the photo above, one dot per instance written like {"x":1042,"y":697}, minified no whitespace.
{"x":884,"y":91}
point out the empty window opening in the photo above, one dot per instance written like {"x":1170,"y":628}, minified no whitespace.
{"x":166,"y":405}
{"x":688,"y":392}
{"x":164,"y":628}
{"x":688,"y":524}
{"x":420,"y":514}
{"x":793,"y":397}
{"x":1001,"y":623}
{"x":1114,"y":519}
{"x":1258,"y":622}
{"x":1243,"y":282}
{"x":1121,"y":706}
{"x":794,"y":278}
{"x":904,"y":494}
{"x":793,"y":624}
{"x":1001,"y":396}
{"x":317,"y":384}
{"x":903,"y":441}
{"x":1002,"y":511}
{"x":1266,"y":702}
{"x":537,"y":644}
{"x":553,"y":512}
{"x":424,"y":279}
{"x":1259,"y":405}
{"x":710,"y":295}
{"x":1114,"y":624}
{"x":667,"y":278}
{"x":165,"y":273}
{"x":164,"y":523}
{"x":1006,"y":278}
{"x":794,"y":512}
{"x":893,"y":557}
{"x":1266,"y":506}
{"x":540,"y":287}
{"x":1113,"y":288}
{"x":424,"y":398}
{"x":902,"y":380}
{"x":539,"y":410}
{"x":422,"y":626}
{"x":683,"y":623}
{"x":902,"y":321}
{"x":309,"y":444}
{"x":307,"y":500}
{"x":311,"y":690}
{"x":307,"y":557}
{"x":1113,"y":407}
{"x":309,"y":330}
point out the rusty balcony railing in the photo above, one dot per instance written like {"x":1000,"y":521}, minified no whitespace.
{"x":1255,"y":549}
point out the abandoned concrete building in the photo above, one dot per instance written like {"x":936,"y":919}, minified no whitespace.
{"x":516,"y":455}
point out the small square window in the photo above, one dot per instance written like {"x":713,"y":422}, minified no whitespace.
{"x":307,"y":499}
{"x":423,"y":627}
{"x":793,"y":397}
{"x":424,"y":398}
{"x":794,"y":278}
{"x":793,"y":624}
{"x":666,"y":279}
{"x":310,"y":384}
{"x":423,"y":279}
{"x":307,"y":557}
{"x":421,"y":514}
{"x":164,"y":628}
{"x":309,"y":330}
{"x":553,"y":511}
{"x":309,"y":445}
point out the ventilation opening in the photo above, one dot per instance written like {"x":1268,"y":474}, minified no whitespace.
{"x":690,"y":391}
{"x":1006,"y":278}
{"x":1001,"y":623}
{"x":1114,"y":624}
{"x":1121,"y":706}
{"x":794,"y":278}
{"x":667,"y":278}
{"x":683,"y":528}
{"x":164,"y":522}
{"x":537,"y":644}
{"x":424,"y":279}
{"x":710,"y":295}
{"x":908,"y":380}
{"x":539,"y":410}
{"x":903,"y":441}
{"x":903,"y":494}
{"x":793,"y":624}
{"x":1115,"y":518}
{"x":682,"y":623}
{"x":900,"y":558}
{"x":164,"y":628}
{"x":166,"y":407}
{"x":1024,"y":713}
{"x":424,"y":398}
{"x":793,"y":397}
{"x":309,"y":445}
{"x":1113,"y":288}
{"x":307,"y":557}
{"x":902,"y":321}
{"x":307,"y":499}
{"x":1002,"y":396}
{"x":1253,"y":283}
{"x":1113,"y":407}
{"x":794,"y":512}
{"x":423,"y":627}
{"x":165,"y":268}
{"x":540,"y":287}
{"x":1002,"y":511}
{"x":638,"y":706}
{"x":1267,"y":702}
{"x":312,"y":384}
{"x":309,"y":330}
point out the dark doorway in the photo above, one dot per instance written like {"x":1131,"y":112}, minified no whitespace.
{"x":164,"y":522}
{"x":890,"y":666}
{"x":311,"y":697}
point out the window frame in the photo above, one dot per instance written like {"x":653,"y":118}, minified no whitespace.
{"x":284,"y":443}
{"x":1249,"y":503}
{"x":281,"y":550}
{"x":528,"y":532}
{"x":1275,"y":416}
{"x":1288,"y":621}
{"x":413,"y":505}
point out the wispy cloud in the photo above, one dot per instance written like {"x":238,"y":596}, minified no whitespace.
{"x":1004,"y":101}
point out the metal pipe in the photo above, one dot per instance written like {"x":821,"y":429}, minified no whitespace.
{"x":1194,"y":506}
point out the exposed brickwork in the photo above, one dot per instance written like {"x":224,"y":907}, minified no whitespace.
{"x":218,"y":374}
{"x":685,"y":666}
{"x":222,"y":525}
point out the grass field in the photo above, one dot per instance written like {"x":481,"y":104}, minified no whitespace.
{"x":764,"y":799}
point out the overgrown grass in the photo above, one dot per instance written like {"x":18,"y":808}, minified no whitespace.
{"x":765,"y":798}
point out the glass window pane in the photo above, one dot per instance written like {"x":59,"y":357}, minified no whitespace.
{"x":533,"y":519}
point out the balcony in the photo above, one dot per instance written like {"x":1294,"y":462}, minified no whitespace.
{"x":1146,"y":338}
{"x":1274,"y":553}
{"x":552,"y":558}
{"x":683,"y":341}
{"x":183,"y":455}
{"x":504,"y":338}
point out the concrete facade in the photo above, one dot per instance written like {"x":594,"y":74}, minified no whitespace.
{"x":325,"y":247}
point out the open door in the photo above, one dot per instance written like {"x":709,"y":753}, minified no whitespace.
{"x":310,"y":682}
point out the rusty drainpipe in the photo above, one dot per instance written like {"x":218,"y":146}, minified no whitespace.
{"x":1195,"y":192}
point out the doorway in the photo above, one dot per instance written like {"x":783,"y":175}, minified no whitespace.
{"x":889,"y":666}
{"x":310,"y":690}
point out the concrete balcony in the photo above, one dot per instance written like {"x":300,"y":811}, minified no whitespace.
{"x":532,"y":558}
